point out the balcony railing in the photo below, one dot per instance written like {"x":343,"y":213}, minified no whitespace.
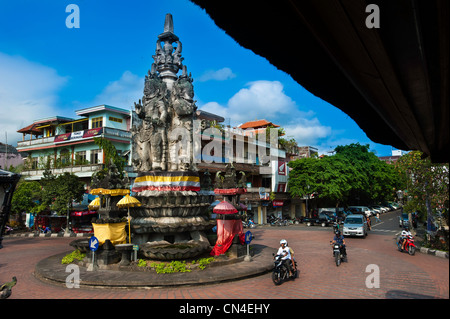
{"x":78,"y":136}
{"x":43,"y":140}
{"x":84,"y":170}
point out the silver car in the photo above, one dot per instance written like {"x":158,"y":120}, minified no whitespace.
{"x":355,"y":225}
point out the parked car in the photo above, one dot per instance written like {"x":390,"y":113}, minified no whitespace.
{"x":360,"y":210}
{"x":355,"y":225}
{"x":403,"y":220}
{"x":376,"y":210}
{"x":381,"y":208}
{"x":323,"y":219}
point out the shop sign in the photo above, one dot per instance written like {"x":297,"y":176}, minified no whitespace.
{"x":277,"y":203}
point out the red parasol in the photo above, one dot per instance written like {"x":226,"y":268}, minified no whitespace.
{"x":225,"y":207}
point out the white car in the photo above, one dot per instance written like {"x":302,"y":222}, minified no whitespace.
{"x":355,"y":225}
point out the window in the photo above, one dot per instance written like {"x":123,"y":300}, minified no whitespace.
{"x":95,"y":156}
{"x":115,"y":119}
{"x":34,"y":162}
{"x":80,"y":158}
{"x":97,"y":122}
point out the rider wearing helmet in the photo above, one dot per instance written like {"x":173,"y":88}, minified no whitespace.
{"x":405,"y":233}
{"x":285,"y":252}
{"x":339,"y":239}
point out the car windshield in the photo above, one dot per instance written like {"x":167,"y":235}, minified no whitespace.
{"x":404,"y":216}
{"x":353,"y":220}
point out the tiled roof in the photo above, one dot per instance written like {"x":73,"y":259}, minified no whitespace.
{"x":31,"y":129}
{"x":257,"y":124}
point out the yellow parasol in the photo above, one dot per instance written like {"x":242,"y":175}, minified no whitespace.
{"x":95,"y":204}
{"x":127,"y":202}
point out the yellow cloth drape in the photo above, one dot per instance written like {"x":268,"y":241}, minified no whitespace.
{"x":115,"y":232}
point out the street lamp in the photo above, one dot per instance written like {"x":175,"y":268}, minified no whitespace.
{"x":8,"y":182}
{"x":400,"y":195}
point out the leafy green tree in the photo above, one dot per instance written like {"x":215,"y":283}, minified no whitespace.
{"x":426,"y":185}
{"x":26,"y":199}
{"x":329,"y":177}
{"x":59,"y":192}
{"x":352,"y":175}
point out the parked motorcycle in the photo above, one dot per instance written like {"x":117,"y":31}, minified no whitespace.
{"x":410,"y":247}
{"x":338,"y":255}
{"x":249,"y":224}
{"x":280,"y":272}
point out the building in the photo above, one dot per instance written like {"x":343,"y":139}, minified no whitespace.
{"x":67,"y":145}
{"x":9,"y":156}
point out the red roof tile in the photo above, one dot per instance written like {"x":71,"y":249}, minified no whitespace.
{"x":257,"y":124}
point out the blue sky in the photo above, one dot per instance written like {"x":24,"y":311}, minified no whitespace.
{"x":47,"y":69}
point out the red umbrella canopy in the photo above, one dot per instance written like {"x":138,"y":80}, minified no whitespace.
{"x":225,"y":207}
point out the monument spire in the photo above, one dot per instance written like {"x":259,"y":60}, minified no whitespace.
{"x":168,"y":60}
{"x":168,"y":23}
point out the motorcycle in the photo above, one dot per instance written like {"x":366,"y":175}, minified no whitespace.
{"x":280,"y":271}
{"x":338,"y":255}
{"x":410,"y":247}
{"x":249,"y":224}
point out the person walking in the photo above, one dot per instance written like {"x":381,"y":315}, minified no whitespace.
{"x":377,"y":217}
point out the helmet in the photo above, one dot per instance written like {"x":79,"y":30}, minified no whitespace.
{"x":283,"y":241}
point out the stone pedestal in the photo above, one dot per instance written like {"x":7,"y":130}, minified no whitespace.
{"x":107,"y":254}
{"x":237,"y":250}
{"x":125,"y":250}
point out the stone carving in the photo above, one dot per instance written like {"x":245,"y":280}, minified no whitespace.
{"x":174,"y":207}
{"x":183,"y":108}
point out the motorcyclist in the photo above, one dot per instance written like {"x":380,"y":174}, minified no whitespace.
{"x":403,"y":236}
{"x":294,"y":267}
{"x":339,"y":239}
{"x":285,"y":252}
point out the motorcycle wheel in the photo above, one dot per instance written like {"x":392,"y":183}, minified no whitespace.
{"x":337,"y":258}
{"x":411,"y":250}
{"x":276,"y":278}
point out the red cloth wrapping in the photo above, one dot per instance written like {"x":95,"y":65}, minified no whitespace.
{"x":226,"y":230}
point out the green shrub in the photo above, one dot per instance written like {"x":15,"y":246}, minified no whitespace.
{"x":69,"y":258}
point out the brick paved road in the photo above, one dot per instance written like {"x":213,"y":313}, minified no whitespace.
{"x":401,"y":275}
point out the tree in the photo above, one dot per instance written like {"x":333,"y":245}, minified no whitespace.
{"x":350,"y":176}
{"x":26,"y":199}
{"x":426,"y":185}
{"x":376,"y":179}
{"x":59,"y":192}
{"x":330,"y":177}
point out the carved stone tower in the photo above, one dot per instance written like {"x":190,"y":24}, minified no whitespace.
{"x":174,"y":208}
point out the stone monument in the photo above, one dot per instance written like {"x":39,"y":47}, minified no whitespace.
{"x":171,"y":222}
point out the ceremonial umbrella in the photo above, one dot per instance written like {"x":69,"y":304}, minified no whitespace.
{"x":127,"y":202}
{"x":225,"y":208}
{"x":95,"y":204}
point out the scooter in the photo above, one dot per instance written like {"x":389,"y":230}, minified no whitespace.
{"x":249,"y":224}
{"x":280,"y":272}
{"x":338,"y":255}
{"x":410,"y":247}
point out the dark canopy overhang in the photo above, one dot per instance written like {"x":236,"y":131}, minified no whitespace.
{"x":392,"y":80}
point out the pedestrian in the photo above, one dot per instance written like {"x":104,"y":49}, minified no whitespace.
{"x":377,"y":217}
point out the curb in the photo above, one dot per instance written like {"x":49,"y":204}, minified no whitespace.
{"x":434,"y":252}
{"x":53,"y":235}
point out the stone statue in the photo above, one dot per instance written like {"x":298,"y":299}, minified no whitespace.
{"x":183,"y":108}
{"x":152,"y":135}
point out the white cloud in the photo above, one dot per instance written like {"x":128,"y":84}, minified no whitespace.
{"x":28,"y":91}
{"x":307,"y":131}
{"x":267,"y":100}
{"x":219,"y":75}
{"x":123,"y":92}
